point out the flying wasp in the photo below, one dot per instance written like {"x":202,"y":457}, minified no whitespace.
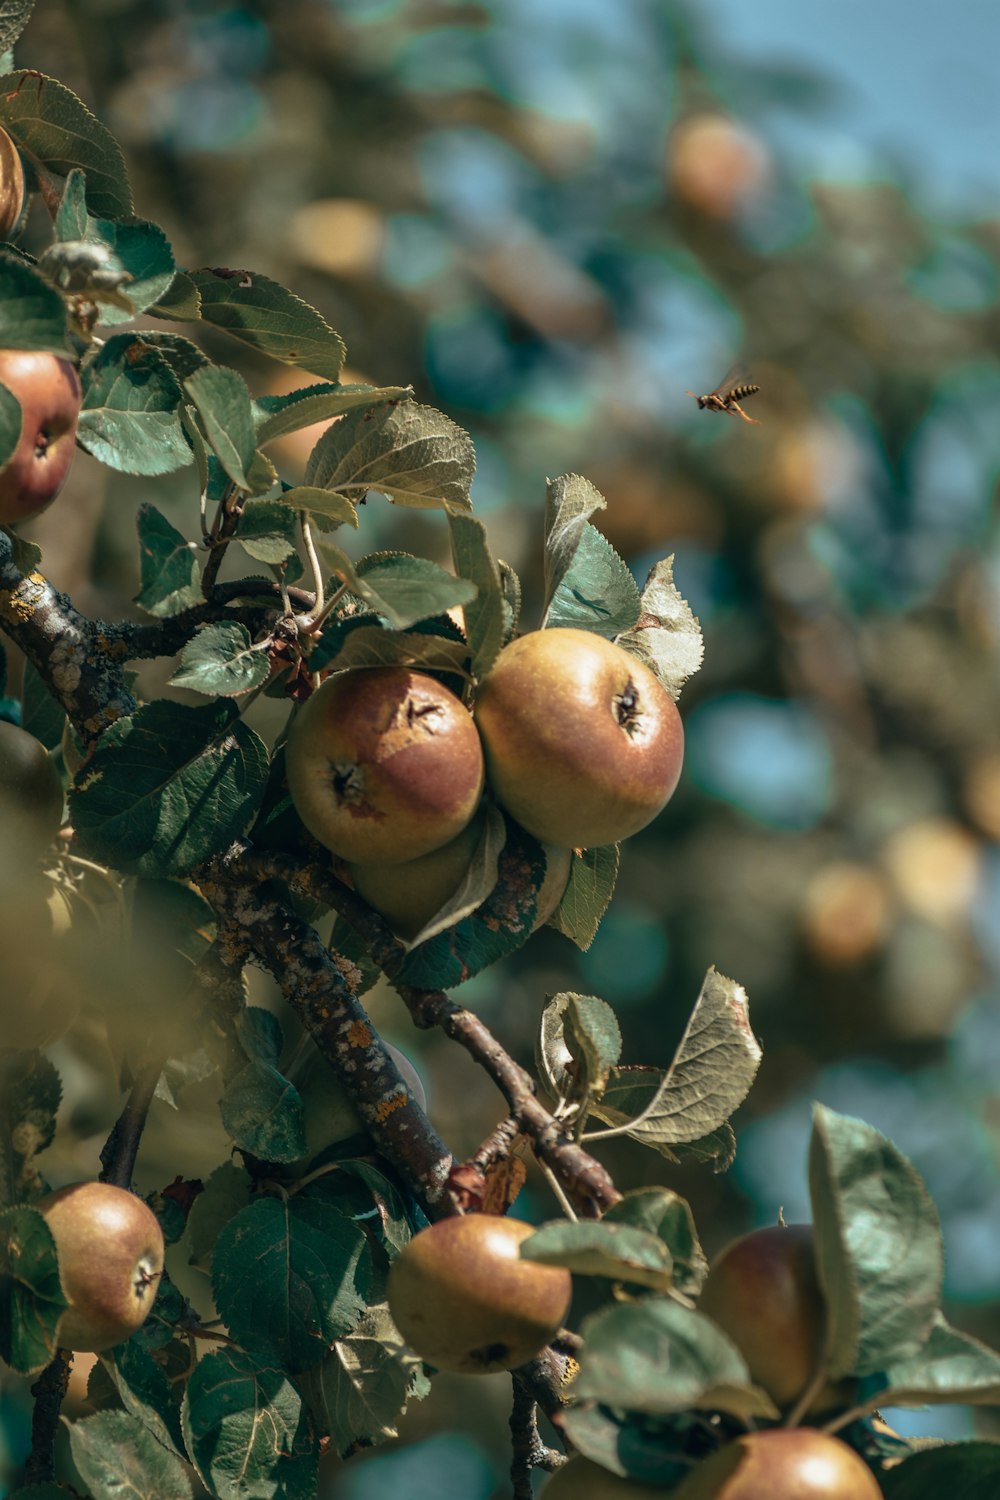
{"x":728,"y":394}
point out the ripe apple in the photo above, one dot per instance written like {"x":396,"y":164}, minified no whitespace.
{"x":409,"y":895}
{"x":783,"y":1463}
{"x":110,"y":1249}
{"x":463,"y":1298}
{"x":583,"y":743}
{"x":384,"y":765}
{"x":31,"y":793}
{"x":48,"y":389}
{"x":11,"y":185}
{"x":762,"y":1291}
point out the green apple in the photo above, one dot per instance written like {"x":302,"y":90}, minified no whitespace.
{"x":583,"y":743}
{"x":110,"y":1249}
{"x":763,"y":1292}
{"x":581,"y":1479}
{"x":384,"y":765}
{"x":48,"y":389}
{"x":465,"y":1301}
{"x":31,"y":793}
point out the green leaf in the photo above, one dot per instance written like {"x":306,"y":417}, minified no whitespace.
{"x":588,"y":895}
{"x":622,"y":1252}
{"x":951,"y":1367}
{"x":30,"y":1095}
{"x":14,"y":15}
{"x":71,"y":215}
{"x":262,"y":313}
{"x":260,"y":1034}
{"x":331,"y":508}
{"x":669,"y":639}
{"x":146,"y":1393}
{"x":484,"y":613}
{"x":669,"y":1216}
{"x":144,"y":251}
{"x":499,"y":926}
{"x":262,"y":1112}
{"x":183,"y":356}
{"x":248,"y":1430}
{"x":181,"y":300}
{"x":373,"y":646}
{"x":222,"y":661}
{"x":311,"y":1273}
{"x":267,"y":530}
{"x":362,"y":1388}
{"x":169,"y":787}
{"x":170,"y":574}
{"x":276,"y":416}
{"x":877,"y":1242}
{"x":510,"y":586}
{"x":968,"y":1471}
{"x":411,"y":453}
{"x":570,"y":501}
{"x":717,"y":1149}
{"x":640,"y":1447}
{"x":223,"y":402}
{"x":130,"y":418}
{"x":597,"y":592}
{"x":711,"y":1073}
{"x":32,"y":313}
{"x":560,"y":1045}
{"x":41,"y":714}
{"x":31,"y":1295}
{"x":401,"y":588}
{"x":226,"y":1192}
{"x":117,"y":1458}
{"x":57,"y":132}
{"x":477,"y":883}
{"x":656,"y":1356}
{"x":39,"y":1492}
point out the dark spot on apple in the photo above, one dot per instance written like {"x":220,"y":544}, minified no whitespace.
{"x":42,"y":444}
{"x":627,"y":708}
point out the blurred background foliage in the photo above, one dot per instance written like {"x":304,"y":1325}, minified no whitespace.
{"x":554,"y":220}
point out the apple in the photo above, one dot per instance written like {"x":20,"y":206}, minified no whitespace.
{"x":763,"y":1292}
{"x":384,"y":765}
{"x":409,"y":895}
{"x":582,"y":1479}
{"x":465,"y":1301}
{"x":783,"y":1463}
{"x":48,"y":389}
{"x":110,"y":1249}
{"x":11,"y":185}
{"x":31,"y":793}
{"x":583,"y":743}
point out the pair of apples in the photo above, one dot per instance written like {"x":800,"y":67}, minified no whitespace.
{"x":580,"y":743}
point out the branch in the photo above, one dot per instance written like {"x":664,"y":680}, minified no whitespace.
{"x":121,"y":1148}
{"x":529,"y":1452}
{"x":48,"y":1391}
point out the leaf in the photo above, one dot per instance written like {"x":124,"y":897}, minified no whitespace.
{"x":877,"y":1243}
{"x":587,"y":897}
{"x":411,"y":453}
{"x":130,"y":418}
{"x":30,"y":1095}
{"x":291,"y":1277}
{"x":951,"y":1367}
{"x":41,"y":714}
{"x":563,"y":1053}
{"x":221,"y":660}
{"x":32,"y":313}
{"x":267,"y":530}
{"x":144,"y":252}
{"x":183,"y":356}
{"x":223,"y":402}
{"x":57,"y":132}
{"x":484,"y":612}
{"x":968,"y":1471}
{"x":262,"y":313}
{"x":622,"y":1252}
{"x":668,"y":637}
{"x":169,"y":787}
{"x":146,"y":1393}
{"x":181,"y":300}
{"x":260,"y":1034}
{"x":570,"y":501}
{"x":362,"y":1389}
{"x":71,"y":215}
{"x":276,"y":416}
{"x":263,"y":1113}
{"x":226,"y":1192}
{"x":478,"y":881}
{"x":668,"y":1215}
{"x":717,"y":1148}
{"x":31,"y":1295}
{"x":656,"y":1356}
{"x":373,"y":646}
{"x":401,"y":588}
{"x":644,"y":1448}
{"x":118,"y":1458}
{"x":499,"y":926}
{"x":14,"y":16}
{"x":336,"y":509}
{"x":597,"y":592}
{"x":248,"y":1430}
{"x":710,"y":1075}
{"x":170,"y":574}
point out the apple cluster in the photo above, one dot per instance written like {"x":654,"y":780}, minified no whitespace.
{"x":576,"y":739}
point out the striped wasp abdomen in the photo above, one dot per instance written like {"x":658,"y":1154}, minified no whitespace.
{"x":729,"y":393}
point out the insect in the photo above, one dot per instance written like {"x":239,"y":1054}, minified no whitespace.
{"x":728,"y":394}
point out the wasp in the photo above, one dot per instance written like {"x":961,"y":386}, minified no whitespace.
{"x":728,"y":394}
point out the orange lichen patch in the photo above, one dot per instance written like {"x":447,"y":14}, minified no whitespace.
{"x":387,"y":1107}
{"x":359,"y":1034}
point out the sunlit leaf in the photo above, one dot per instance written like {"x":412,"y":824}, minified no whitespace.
{"x":116,"y":1456}
{"x":592,"y":879}
{"x":222,"y":661}
{"x":57,"y":132}
{"x":668,"y":637}
{"x":411,"y":453}
{"x":248,"y":1431}
{"x":169,"y":569}
{"x":570,"y":501}
{"x":267,"y":316}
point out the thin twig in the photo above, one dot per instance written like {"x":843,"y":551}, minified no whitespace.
{"x":528,"y":1450}
{"x":121,"y":1148}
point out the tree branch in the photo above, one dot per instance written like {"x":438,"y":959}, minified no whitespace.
{"x":48,"y":1390}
